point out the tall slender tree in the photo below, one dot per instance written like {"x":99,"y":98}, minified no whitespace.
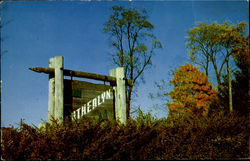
{"x":213,"y":44}
{"x":240,"y":85}
{"x":133,"y":42}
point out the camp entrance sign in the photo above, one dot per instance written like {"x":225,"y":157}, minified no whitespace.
{"x":73,"y":99}
{"x":81,"y":98}
{"x":91,"y":105}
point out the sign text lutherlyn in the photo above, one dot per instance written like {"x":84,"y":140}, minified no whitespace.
{"x":91,"y":105}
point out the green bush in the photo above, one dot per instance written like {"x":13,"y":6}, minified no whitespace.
{"x":218,"y":136}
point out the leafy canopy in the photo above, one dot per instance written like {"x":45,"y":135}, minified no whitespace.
{"x":214,"y":44}
{"x":132,"y":40}
{"x":192,"y":93}
{"x":133,"y":43}
{"x":240,"y":93}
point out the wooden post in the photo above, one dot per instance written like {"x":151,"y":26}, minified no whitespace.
{"x":59,"y":100}
{"x":120,"y":95}
{"x":51,"y":107}
{"x":56,"y":73}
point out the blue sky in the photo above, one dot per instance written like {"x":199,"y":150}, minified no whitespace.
{"x":38,"y":31}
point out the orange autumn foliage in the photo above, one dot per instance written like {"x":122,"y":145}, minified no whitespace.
{"x":192,"y":93}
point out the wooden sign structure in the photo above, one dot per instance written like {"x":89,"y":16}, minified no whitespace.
{"x":85,"y":98}
{"x":73,"y":98}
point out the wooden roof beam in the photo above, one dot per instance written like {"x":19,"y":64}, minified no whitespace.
{"x":80,"y":74}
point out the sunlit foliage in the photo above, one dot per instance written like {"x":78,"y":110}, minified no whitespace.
{"x":240,"y":91}
{"x":221,"y":136}
{"x":192,"y":93}
{"x":133,"y":42}
{"x":214,"y":44}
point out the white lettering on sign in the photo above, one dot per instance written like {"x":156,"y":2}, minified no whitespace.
{"x":78,"y":113}
{"x":103,"y":97}
{"x":84,"y":110}
{"x":108,"y":94}
{"x":91,"y":105}
{"x":98,"y":101}
{"x":94,"y":104}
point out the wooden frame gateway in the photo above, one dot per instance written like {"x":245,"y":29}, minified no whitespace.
{"x":73,"y":98}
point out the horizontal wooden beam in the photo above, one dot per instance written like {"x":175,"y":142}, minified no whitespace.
{"x":80,"y":74}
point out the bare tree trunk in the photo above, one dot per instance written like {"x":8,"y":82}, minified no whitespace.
{"x":217,"y":73}
{"x":207,"y":61}
{"x":122,"y":54}
{"x":217,"y":77}
{"x":129,"y":100}
{"x":230,"y":89}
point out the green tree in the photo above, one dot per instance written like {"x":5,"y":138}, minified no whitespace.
{"x":192,"y":93}
{"x":241,"y":82}
{"x":213,"y":44}
{"x":133,"y":42}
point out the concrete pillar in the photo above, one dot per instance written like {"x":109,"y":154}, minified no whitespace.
{"x":51,"y":106}
{"x":120,"y":95}
{"x":59,"y":100}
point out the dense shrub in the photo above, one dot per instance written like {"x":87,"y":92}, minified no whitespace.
{"x":218,"y":136}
